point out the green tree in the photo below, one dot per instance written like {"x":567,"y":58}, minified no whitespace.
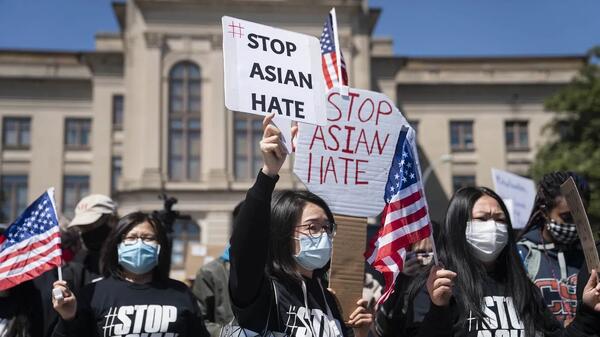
{"x":575,"y":144}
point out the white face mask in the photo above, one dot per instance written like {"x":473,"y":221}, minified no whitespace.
{"x":486,"y":238}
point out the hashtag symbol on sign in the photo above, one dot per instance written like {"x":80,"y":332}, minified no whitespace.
{"x":235,"y":30}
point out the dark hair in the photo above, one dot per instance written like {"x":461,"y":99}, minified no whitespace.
{"x":455,"y":255}
{"x":286,"y":213}
{"x":109,"y":264}
{"x":548,"y":191}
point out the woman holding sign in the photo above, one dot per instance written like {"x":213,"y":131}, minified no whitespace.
{"x":483,"y":289}
{"x":280,"y":252}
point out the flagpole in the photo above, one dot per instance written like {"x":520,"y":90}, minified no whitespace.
{"x":338,"y":54}
{"x":51,"y":194}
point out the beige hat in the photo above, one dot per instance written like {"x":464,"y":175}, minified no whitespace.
{"x":91,"y":208}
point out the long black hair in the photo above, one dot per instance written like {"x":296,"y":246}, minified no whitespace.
{"x":547,"y":194}
{"x":109,"y":264}
{"x":455,"y":254}
{"x":286,"y":213}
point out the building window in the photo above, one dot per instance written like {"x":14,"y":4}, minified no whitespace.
{"x":516,"y":135}
{"x":16,"y":133}
{"x":185,"y":232}
{"x":117,"y":168}
{"x":74,"y":189}
{"x":14,"y":197}
{"x":461,"y":136}
{"x":78,"y":132}
{"x":184,"y":122}
{"x":247,"y":135}
{"x":460,"y":181}
{"x":117,"y":112}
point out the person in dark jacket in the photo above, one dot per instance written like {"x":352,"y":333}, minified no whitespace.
{"x":211,"y":290}
{"x":280,"y":251}
{"x":483,"y":289}
{"x":549,"y":245}
{"x":136,"y":296}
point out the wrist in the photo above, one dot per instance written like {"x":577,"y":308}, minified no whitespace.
{"x":268,"y":172}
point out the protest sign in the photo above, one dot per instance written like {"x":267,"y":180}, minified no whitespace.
{"x":272,"y":70}
{"x":347,"y":162}
{"x":517,"y":192}
{"x":584,"y":231}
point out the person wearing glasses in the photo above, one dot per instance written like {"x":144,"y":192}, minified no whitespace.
{"x":136,"y":296}
{"x":280,"y":251}
{"x":549,"y":245}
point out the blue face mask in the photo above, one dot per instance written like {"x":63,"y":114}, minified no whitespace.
{"x":138,"y":258}
{"x":314,"y":252}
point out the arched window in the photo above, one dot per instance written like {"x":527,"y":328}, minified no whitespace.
{"x":184,"y":122}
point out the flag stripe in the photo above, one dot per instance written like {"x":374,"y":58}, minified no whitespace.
{"x":14,"y":280}
{"x":37,"y":247}
{"x":45,"y":259}
{"x":326,"y":73}
{"x":402,"y":241}
{"x":30,"y":259}
{"x":32,"y":243}
{"x":26,"y":243}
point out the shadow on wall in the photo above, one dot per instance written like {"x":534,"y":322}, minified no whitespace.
{"x":437,"y":200}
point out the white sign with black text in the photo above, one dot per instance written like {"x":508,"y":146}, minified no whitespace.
{"x":273,"y":70}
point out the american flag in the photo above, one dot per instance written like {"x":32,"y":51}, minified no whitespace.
{"x":30,"y":246}
{"x":405,"y":219}
{"x":329,"y":57}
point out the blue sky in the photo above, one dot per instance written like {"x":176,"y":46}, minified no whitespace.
{"x":419,"y":27}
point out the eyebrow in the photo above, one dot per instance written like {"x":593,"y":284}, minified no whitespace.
{"x":499,"y":213}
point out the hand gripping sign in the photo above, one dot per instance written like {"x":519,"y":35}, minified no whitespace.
{"x":272,"y":70}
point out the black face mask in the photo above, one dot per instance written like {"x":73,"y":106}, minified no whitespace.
{"x":94,"y":239}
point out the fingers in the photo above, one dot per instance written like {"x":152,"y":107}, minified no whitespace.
{"x":62,"y":285}
{"x":360,"y":309}
{"x":267,"y":120}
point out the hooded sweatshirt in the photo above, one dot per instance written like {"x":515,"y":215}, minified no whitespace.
{"x":553,"y":268}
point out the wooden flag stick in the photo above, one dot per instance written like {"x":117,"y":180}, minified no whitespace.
{"x":348,"y":262}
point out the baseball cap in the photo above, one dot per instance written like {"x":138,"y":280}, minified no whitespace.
{"x":91,"y":208}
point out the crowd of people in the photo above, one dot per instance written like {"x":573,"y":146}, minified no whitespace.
{"x":491,"y":280}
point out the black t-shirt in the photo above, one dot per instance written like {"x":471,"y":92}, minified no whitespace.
{"x":114,"y":307}
{"x":252,"y":289}
{"x":501,"y":319}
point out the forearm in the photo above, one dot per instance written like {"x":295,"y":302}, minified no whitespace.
{"x":250,"y":242}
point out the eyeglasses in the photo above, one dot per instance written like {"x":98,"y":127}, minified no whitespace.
{"x":133,"y":239}
{"x":315,"y":229}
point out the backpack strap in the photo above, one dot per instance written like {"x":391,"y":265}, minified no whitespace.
{"x":532,"y":259}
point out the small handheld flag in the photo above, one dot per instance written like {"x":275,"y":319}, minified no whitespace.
{"x":331,"y":53}
{"x":30,"y":246}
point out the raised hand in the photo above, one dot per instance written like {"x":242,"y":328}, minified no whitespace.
{"x":439,"y":285}
{"x":273,"y":151}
